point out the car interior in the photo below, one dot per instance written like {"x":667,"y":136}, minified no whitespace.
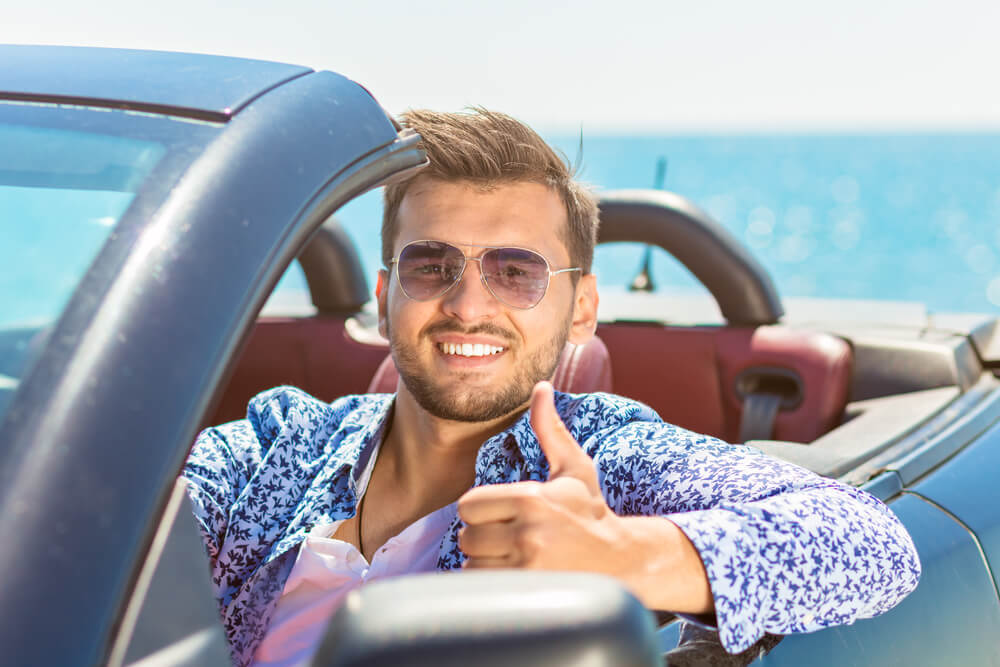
{"x":826,"y":399}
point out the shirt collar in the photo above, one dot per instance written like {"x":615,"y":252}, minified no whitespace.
{"x":521,"y":450}
{"x":364,"y":428}
{"x":372,"y":436}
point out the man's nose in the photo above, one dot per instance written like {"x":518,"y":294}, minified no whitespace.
{"x":469,"y":299}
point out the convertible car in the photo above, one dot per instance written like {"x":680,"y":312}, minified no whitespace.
{"x":150,"y":204}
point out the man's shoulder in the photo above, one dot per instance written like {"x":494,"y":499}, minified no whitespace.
{"x":600,"y":415}
{"x":286,"y":427}
{"x":289,"y":407}
{"x":603,"y":410}
{"x":616,"y":421}
{"x":289,"y":415}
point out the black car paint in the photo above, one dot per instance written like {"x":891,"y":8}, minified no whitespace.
{"x":100,"y":426}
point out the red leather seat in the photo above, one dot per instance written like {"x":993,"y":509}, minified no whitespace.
{"x":821,"y":361}
{"x":317,"y":354}
{"x":582,"y":368}
{"x":689,"y":375}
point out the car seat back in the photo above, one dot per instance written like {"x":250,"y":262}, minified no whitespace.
{"x":701,"y":377}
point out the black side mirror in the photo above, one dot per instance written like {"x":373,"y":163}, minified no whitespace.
{"x":492,"y":618}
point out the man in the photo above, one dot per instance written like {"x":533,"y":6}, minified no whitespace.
{"x":487,"y":256}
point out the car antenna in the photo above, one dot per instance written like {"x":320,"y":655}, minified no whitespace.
{"x":643,"y":281}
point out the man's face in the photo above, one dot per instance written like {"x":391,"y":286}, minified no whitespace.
{"x":484,"y":386}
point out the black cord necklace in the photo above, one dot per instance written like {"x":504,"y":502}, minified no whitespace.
{"x":361,"y":504}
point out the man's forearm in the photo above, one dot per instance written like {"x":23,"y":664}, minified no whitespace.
{"x":663,"y":569}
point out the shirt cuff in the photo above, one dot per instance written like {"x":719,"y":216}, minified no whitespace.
{"x":730,"y":559}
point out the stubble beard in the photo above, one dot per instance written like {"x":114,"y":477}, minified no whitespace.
{"x":449,"y":400}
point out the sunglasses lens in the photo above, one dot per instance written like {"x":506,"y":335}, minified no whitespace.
{"x":517,"y":277}
{"x":428,"y":268}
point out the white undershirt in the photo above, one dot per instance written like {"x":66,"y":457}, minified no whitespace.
{"x":326,"y":570}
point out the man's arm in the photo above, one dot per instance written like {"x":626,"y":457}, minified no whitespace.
{"x":225,"y":463}
{"x":216,"y":473}
{"x":662,"y":567}
{"x":770,"y":546}
{"x":224,"y":458}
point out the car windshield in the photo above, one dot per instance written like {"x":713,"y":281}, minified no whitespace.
{"x":67,"y":178}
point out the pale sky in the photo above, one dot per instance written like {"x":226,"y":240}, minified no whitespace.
{"x":601,"y":65}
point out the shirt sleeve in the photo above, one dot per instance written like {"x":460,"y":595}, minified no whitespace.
{"x":224,"y":458}
{"x":217,"y":469}
{"x":785,"y":550}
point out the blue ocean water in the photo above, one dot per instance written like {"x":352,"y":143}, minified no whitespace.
{"x":900,"y":217}
{"x":881,"y":216}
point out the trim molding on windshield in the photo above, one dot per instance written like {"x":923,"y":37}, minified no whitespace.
{"x":122,"y":105}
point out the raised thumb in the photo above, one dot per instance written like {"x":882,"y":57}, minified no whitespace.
{"x":565,"y":456}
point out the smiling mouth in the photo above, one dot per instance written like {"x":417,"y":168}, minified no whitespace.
{"x":469,"y":349}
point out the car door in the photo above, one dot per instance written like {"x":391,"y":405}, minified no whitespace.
{"x":943,"y":492}
{"x":100,"y":424}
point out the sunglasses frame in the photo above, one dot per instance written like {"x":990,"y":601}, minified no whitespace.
{"x":482,"y":275}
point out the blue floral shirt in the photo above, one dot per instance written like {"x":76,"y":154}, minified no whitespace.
{"x":785,"y":550}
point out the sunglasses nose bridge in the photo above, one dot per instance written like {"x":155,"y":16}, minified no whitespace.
{"x":479,"y":264}
{"x":461,"y":296}
{"x":482,"y":277}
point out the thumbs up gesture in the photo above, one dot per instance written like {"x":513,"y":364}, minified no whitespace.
{"x":561,"y":524}
{"x":565,"y":524}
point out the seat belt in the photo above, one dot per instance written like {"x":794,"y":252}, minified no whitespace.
{"x":760,"y":409}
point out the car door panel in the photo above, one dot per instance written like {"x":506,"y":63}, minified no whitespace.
{"x":174,"y":611}
{"x":950,"y":619}
{"x":966,"y":486}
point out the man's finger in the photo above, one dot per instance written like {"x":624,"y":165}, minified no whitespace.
{"x":488,"y":540}
{"x":495,"y":502}
{"x":564,"y":454}
{"x":489,"y":563}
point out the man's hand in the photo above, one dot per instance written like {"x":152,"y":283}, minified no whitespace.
{"x":565,"y":524}
{"x":561,"y":524}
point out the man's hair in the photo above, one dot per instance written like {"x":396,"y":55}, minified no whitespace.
{"x":488,"y":149}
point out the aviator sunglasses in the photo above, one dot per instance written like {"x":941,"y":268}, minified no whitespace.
{"x":517,"y":277}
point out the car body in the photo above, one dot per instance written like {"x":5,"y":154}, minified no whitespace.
{"x":225,"y":171}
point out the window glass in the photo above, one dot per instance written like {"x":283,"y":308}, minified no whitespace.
{"x":61,"y":193}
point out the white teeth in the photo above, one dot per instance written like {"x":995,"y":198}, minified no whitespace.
{"x":470,"y":349}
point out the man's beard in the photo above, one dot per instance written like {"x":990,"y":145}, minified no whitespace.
{"x":482,"y":404}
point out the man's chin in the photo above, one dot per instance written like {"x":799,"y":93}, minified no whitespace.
{"x":467,"y":406}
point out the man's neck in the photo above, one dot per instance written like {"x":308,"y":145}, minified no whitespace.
{"x":433,"y":458}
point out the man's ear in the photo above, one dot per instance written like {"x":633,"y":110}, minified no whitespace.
{"x":382,"y":297}
{"x":584,"y":310}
